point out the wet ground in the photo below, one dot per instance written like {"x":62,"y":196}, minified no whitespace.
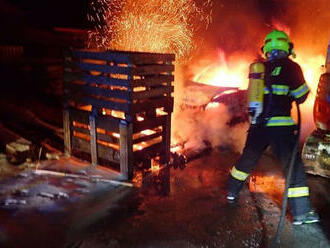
{"x":47,"y":205}
{"x":193,"y":213}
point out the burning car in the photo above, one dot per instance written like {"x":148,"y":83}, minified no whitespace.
{"x":209,"y":117}
{"x":203,"y":97}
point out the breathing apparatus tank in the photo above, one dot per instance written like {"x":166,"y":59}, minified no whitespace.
{"x":256,"y":90}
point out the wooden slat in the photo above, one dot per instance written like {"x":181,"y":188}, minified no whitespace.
{"x":165,"y":158}
{"x":126,"y":149}
{"x":151,"y":58}
{"x":70,"y":76}
{"x":81,"y":145}
{"x":105,"y":122}
{"x":146,"y":138}
{"x":152,"y":80}
{"x":152,"y":69}
{"x":98,"y":103}
{"x":125,"y":57}
{"x":80,"y":130}
{"x":148,"y":80}
{"x":67,"y":132}
{"x":99,"y":68}
{"x":86,"y":89}
{"x":153,"y":92}
{"x":65,"y":94}
{"x":108,"y":123}
{"x":104,"y":152}
{"x":108,"y":138}
{"x":166,"y":102}
{"x":116,"y":57}
{"x":149,"y":152}
{"x":140,"y":70}
{"x":93,"y":140}
{"x":79,"y":115}
{"x":100,"y":136}
{"x":148,"y":124}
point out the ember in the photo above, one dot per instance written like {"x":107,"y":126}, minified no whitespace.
{"x":149,"y":26}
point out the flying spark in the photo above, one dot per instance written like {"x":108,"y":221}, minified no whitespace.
{"x":164,"y":26}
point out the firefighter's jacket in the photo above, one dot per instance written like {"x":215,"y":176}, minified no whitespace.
{"x":284,"y":83}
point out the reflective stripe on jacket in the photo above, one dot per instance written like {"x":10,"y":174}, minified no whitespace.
{"x":239,"y":175}
{"x":298,"y":192}
{"x":278,"y":89}
{"x":300,"y":91}
{"x":284,"y":91}
{"x":280,"y":121}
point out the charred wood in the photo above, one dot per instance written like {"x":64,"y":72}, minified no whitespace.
{"x":180,"y":159}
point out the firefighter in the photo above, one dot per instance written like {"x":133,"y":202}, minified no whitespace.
{"x":283,"y":83}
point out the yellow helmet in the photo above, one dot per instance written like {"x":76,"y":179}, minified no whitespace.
{"x":277,"y":40}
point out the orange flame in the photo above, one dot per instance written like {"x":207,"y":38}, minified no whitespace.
{"x":220,"y":73}
{"x":280,"y":26}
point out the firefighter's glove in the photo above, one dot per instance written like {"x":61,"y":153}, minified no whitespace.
{"x":253,"y":115}
{"x":252,"y":112}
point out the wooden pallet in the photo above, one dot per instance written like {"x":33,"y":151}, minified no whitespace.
{"x":110,"y":97}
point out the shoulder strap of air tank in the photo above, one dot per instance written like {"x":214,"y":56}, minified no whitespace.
{"x":265,"y":115}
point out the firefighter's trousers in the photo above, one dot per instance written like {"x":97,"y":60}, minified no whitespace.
{"x":282,"y":140}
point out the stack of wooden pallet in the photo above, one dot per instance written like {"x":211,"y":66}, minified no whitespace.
{"x":118,"y":106}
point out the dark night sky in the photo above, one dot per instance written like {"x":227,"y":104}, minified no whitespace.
{"x":47,"y":13}
{"x":237,"y":24}
{"x":72,"y":13}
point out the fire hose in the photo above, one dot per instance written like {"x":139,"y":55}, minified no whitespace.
{"x":276,"y":240}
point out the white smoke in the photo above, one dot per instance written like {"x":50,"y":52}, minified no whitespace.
{"x":199,"y":128}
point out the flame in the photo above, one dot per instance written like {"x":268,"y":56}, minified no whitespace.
{"x":148,"y":132}
{"x":311,"y":65}
{"x":116,"y":135}
{"x":312,"y":68}
{"x":219,"y":73}
{"x":139,"y":118}
{"x":212,"y":105}
{"x":234,"y":73}
{"x":176,"y":148}
{"x":155,"y":165}
{"x":281,"y":26}
{"x":160,"y":112}
{"x":155,"y":168}
{"x":144,"y":144}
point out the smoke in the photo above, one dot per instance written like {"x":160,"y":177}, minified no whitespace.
{"x":236,"y":32}
{"x":199,"y":129}
{"x":240,"y":26}
{"x":309,"y":22}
